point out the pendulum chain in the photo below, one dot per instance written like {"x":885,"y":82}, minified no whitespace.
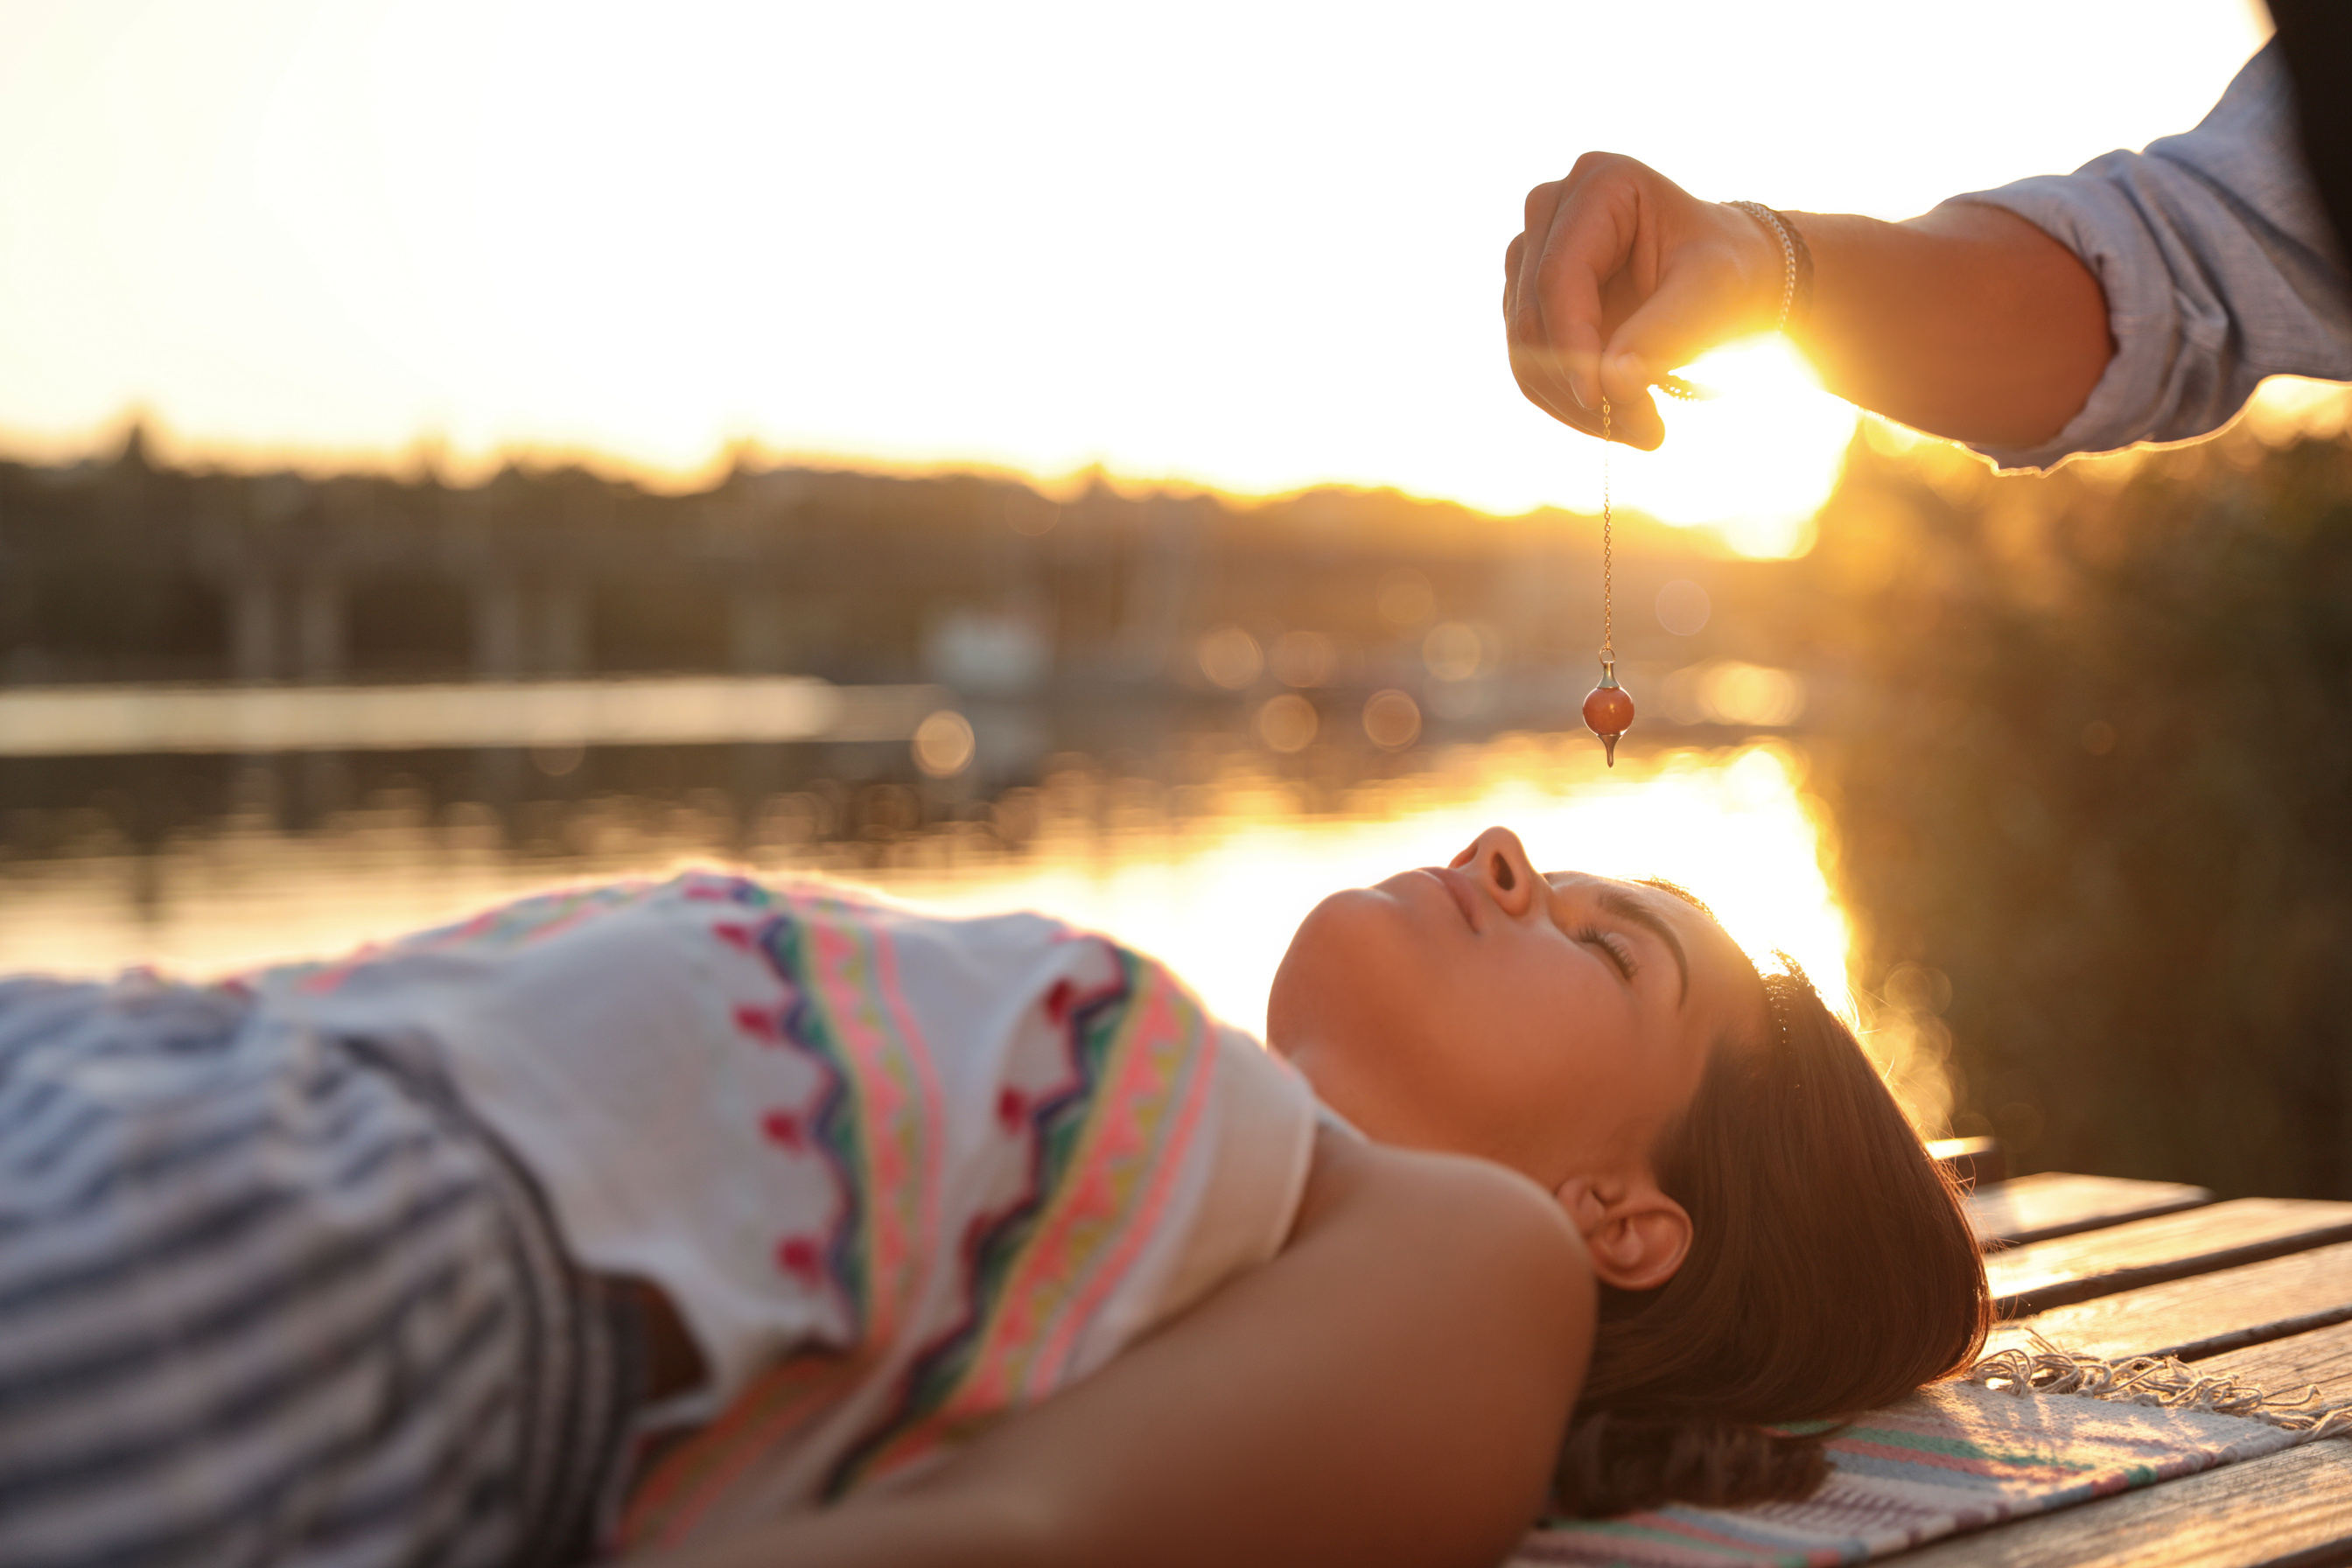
{"x":1608,"y":563}
{"x":1608,"y":708}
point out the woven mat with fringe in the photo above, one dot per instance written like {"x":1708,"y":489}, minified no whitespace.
{"x":2025,"y":1433}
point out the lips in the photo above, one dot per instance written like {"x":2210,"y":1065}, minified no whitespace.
{"x":1459,"y":888}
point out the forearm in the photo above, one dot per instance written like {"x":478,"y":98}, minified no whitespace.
{"x":1391,"y":1388}
{"x":1967,"y":322}
{"x":1970,"y":321}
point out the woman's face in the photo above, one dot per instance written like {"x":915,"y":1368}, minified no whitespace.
{"x":1555,"y":1025}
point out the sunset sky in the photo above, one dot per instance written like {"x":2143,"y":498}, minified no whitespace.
{"x":1254,"y":247}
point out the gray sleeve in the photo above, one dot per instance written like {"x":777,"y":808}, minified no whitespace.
{"x":2219,"y":264}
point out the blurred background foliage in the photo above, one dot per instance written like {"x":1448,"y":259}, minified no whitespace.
{"x":2087,"y":739}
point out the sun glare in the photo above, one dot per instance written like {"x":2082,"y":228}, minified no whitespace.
{"x":1753,"y":459}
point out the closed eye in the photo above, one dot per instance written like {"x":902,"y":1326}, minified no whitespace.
{"x":1620,"y":950}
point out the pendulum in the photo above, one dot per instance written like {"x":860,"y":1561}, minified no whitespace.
{"x":1609,"y":708}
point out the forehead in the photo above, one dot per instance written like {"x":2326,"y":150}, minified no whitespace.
{"x":1711,"y":947}
{"x":1685,"y":911}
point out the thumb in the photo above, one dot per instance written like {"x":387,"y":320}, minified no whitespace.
{"x":1700,"y":303}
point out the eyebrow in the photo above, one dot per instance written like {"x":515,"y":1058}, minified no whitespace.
{"x":1618,"y":902}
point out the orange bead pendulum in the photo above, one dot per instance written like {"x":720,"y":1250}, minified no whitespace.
{"x":1609,"y":707}
{"x":1608,"y":710}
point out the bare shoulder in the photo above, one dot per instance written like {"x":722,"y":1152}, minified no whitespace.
{"x":1468,"y":1223}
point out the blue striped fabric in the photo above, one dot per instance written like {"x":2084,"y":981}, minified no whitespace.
{"x":269,"y":1298}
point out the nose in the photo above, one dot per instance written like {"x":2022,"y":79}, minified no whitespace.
{"x":1499,"y":861}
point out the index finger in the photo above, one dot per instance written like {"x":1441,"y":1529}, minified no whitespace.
{"x":1585,"y":241}
{"x":1534,"y":362}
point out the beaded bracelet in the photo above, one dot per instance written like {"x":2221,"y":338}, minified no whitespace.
{"x":1797,"y":285}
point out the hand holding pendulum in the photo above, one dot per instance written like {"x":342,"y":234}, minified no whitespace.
{"x":1608,"y":707}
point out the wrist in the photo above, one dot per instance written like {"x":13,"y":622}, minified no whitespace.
{"x":1761,"y":271}
{"x":1793,"y":298}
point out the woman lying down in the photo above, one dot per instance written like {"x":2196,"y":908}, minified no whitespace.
{"x":724,"y":1223}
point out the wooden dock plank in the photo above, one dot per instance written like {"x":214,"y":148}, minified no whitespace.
{"x":2204,"y":1314}
{"x":2042,"y":1275}
{"x":2282,"y":1511}
{"x":2054,"y":1203}
{"x":2323,"y":1356}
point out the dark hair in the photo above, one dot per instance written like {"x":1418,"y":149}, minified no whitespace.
{"x":1831,"y":1271}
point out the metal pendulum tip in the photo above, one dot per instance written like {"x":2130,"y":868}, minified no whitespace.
{"x":1609,"y":709}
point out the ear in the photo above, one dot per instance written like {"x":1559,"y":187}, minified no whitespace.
{"x":1636,"y":1235}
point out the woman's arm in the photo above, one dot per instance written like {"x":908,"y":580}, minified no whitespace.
{"x":1967,"y":322}
{"x":1391,"y":1388}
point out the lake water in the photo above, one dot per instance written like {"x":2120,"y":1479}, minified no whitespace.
{"x":1211,"y":874}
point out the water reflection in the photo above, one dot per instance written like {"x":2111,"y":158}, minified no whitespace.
{"x":1211,"y":874}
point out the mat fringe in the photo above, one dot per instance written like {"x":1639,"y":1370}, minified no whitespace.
{"x":2164,"y":1381}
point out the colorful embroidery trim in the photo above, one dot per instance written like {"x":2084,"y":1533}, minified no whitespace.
{"x":1103,"y":1164}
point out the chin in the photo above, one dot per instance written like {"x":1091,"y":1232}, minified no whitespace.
{"x":1344,"y":988}
{"x":1328,"y":954}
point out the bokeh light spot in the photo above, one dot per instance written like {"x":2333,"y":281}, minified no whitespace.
{"x":1230,"y":656}
{"x":1287,"y":723}
{"x":1303,"y":658}
{"x":944,"y":745}
{"x":1392,"y":720}
{"x":1684,"y":607}
{"x":1451,"y":651}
